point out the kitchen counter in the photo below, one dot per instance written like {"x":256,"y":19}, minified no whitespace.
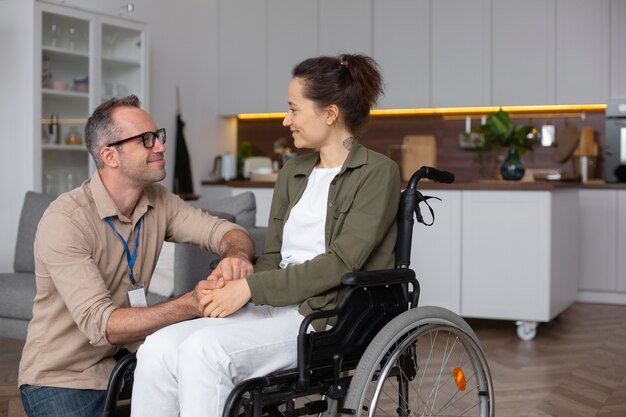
{"x":484,"y":185}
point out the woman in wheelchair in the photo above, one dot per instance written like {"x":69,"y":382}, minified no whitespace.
{"x":333,"y":211}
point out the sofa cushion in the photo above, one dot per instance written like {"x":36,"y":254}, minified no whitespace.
{"x":17,"y":295}
{"x":242,"y":206}
{"x":34,"y":206}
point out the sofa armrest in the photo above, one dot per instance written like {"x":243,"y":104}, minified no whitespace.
{"x":192,"y":264}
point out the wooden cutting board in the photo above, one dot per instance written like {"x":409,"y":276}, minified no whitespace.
{"x":566,"y":142}
{"x":417,"y":151}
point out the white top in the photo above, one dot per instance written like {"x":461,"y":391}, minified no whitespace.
{"x":303,"y":233}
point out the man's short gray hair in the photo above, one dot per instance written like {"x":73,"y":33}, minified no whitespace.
{"x":100,"y":128}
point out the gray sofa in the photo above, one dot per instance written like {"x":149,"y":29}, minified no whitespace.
{"x":191,"y":264}
{"x":17,"y":288}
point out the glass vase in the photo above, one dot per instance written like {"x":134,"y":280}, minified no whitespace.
{"x":512,"y":167}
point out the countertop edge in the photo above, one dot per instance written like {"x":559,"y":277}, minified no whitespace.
{"x":485,"y":185}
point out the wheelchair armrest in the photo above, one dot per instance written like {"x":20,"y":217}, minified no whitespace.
{"x":380,"y":277}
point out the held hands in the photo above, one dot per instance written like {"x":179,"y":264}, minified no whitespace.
{"x":222,"y":302}
{"x":202,"y":289}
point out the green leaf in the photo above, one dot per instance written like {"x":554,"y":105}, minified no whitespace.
{"x":499,"y":131}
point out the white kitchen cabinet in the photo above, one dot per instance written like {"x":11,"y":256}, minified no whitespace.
{"x":83,"y":59}
{"x":523,"y":67}
{"x":242,"y":60}
{"x":290,"y":41}
{"x":598,"y":224}
{"x":621,"y":241}
{"x":444,"y":53}
{"x":582,"y":51}
{"x":618,"y":51}
{"x":603,"y":228}
{"x":345,"y":26}
{"x":436,"y":251}
{"x":461,"y":53}
{"x":519,"y":254}
{"x":401,"y":46}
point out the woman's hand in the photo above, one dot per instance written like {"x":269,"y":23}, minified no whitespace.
{"x":222,"y":302}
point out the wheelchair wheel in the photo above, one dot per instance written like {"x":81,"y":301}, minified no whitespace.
{"x":425,"y":362}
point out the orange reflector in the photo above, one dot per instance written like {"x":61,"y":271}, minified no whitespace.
{"x":459,"y":379}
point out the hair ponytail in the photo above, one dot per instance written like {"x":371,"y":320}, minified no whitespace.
{"x":351,"y":81}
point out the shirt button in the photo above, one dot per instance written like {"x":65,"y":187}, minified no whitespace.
{"x":330,"y":204}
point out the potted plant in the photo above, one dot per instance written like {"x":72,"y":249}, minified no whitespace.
{"x":500,"y":132}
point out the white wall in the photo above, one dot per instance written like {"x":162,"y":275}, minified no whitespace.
{"x":17,"y":170}
{"x":183,"y":52}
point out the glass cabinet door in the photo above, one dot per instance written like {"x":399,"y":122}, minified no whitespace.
{"x":122,"y":63}
{"x":65,"y":71}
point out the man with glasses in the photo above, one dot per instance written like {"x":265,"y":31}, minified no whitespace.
{"x":95,"y":251}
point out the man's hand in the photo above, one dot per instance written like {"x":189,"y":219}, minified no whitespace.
{"x":202,"y":289}
{"x":232,"y":267}
{"x":236,"y":249}
{"x":223,"y":302}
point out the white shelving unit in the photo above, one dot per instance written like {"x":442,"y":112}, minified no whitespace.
{"x":84,"y":58}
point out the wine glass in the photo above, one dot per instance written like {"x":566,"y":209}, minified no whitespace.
{"x":110,"y":39}
{"x":72,"y":36}
{"x":54,"y":35}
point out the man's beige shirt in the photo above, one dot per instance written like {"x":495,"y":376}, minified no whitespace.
{"x":82,"y":275}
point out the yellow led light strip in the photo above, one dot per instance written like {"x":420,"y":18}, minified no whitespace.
{"x":258,"y":116}
{"x":67,"y":121}
{"x":456,"y":111}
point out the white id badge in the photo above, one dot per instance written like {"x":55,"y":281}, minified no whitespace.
{"x":137,"y":296}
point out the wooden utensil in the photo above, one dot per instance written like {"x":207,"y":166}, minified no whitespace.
{"x":587,"y":145}
{"x":417,"y":151}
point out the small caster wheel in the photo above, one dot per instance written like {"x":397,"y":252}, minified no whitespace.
{"x":526,"y":330}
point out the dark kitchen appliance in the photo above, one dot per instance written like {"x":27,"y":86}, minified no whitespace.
{"x":615,"y":141}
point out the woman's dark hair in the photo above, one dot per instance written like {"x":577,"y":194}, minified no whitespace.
{"x":352,"y":82}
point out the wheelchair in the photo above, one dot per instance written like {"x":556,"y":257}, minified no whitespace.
{"x":385,"y":356}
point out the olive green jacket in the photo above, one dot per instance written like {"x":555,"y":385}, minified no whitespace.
{"x":360,"y":231}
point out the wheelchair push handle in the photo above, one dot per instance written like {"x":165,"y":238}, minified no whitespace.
{"x":432,"y":174}
{"x":409,"y":207}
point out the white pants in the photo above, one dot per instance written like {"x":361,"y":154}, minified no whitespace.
{"x":189,"y":368}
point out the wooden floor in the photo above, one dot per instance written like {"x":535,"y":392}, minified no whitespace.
{"x":10,"y":403}
{"x":575,"y":367}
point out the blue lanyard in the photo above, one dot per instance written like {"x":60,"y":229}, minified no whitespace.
{"x":130,"y":258}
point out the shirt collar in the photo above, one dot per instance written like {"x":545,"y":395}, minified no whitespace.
{"x":356,"y":158}
{"x":106,"y":206}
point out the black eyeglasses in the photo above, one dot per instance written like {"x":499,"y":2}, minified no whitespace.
{"x":148,"y":138}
